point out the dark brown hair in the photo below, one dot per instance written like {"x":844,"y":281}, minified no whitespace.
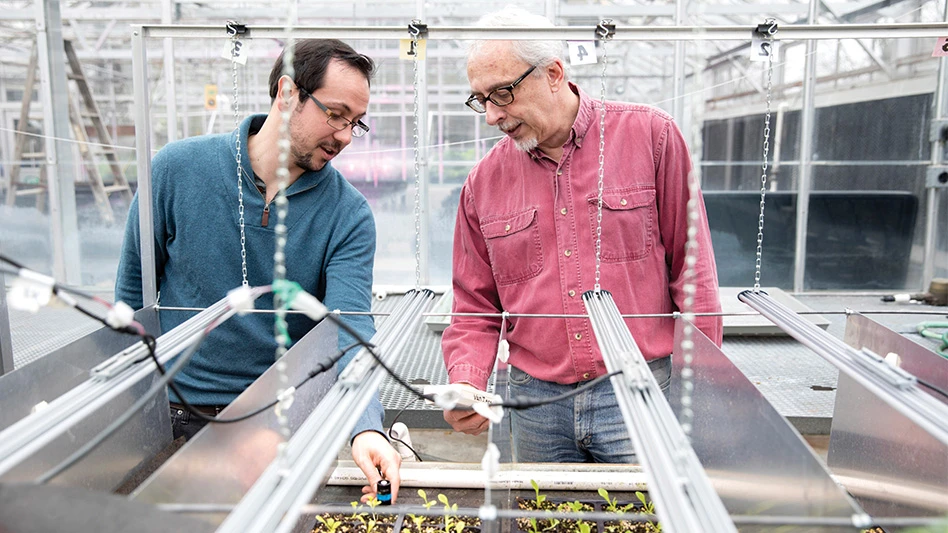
{"x":311,"y":58}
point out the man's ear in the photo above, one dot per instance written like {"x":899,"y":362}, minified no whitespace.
{"x":285,"y":84}
{"x":555,"y":74}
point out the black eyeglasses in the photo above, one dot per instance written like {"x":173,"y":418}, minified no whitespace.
{"x":500,"y":96}
{"x":339,"y":122}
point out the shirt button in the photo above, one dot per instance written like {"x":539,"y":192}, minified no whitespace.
{"x":568,"y":253}
{"x":586,"y":375}
{"x":563,"y":211}
{"x":559,"y":172}
{"x":623,"y":201}
{"x":578,"y":336}
{"x":572,"y":293}
{"x":507,"y":227}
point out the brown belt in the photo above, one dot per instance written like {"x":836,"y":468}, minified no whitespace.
{"x":211,"y":410}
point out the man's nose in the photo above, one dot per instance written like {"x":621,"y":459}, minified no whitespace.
{"x":495,"y":113}
{"x":344,"y":135}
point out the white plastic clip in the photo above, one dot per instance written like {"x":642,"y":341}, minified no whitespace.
{"x":241,"y":299}
{"x":30,"y":291}
{"x":120,"y":315}
{"x":503,"y":347}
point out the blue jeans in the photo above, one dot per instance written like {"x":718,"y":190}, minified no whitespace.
{"x":585,"y":428}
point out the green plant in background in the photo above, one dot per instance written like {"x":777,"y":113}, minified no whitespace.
{"x":330,"y":523}
{"x":649,"y":508}
{"x":449,"y":508}
{"x":424,"y":498}
{"x":612,"y":504}
{"x":534,"y":528}
{"x":539,"y":498}
{"x":373,"y":503}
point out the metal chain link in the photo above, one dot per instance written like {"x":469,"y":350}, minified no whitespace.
{"x":415,"y":141}
{"x":602,"y":160}
{"x":240,"y":181}
{"x":285,"y":391}
{"x":763,"y":175}
{"x":689,"y":287}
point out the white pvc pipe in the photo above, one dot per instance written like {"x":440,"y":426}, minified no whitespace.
{"x":470,"y":476}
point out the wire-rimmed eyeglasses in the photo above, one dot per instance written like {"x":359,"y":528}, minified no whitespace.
{"x":500,"y":96}
{"x":339,"y":122}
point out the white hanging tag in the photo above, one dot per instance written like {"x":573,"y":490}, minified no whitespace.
{"x":408,"y":49}
{"x":236,"y":50}
{"x":762,"y":49}
{"x":582,"y":52}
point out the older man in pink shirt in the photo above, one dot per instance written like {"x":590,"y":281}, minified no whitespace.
{"x":525,"y":242}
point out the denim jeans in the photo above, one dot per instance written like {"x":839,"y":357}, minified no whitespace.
{"x":585,"y":428}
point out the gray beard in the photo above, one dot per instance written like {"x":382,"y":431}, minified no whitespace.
{"x":526,"y":145}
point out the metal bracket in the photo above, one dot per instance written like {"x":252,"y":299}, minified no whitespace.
{"x":938,"y":132}
{"x":235,"y":28}
{"x":768,"y":29}
{"x":417,"y":30}
{"x":937,"y":177}
{"x":893,"y":375}
{"x":605,"y":31}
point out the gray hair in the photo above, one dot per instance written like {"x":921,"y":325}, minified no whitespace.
{"x":539,"y":53}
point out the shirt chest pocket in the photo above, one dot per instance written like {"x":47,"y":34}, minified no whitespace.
{"x":513,"y":243}
{"x":628,"y":223}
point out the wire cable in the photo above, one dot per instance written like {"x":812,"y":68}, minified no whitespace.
{"x":932,"y":386}
{"x":129,"y":413}
{"x":398,"y":440}
{"x":516,"y":403}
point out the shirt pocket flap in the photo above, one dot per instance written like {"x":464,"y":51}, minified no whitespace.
{"x":508,"y":224}
{"x":625,"y":199}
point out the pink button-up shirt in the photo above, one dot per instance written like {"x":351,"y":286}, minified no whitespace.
{"x":525,"y":242}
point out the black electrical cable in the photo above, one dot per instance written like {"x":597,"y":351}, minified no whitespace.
{"x":932,"y":386}
{"x":522,"y":402}
{"x":398,"y":440}
{"x":6,"y":259}
{"x":215,"y":420}
{"x":519,"y":403}
{"x":131,"y":412}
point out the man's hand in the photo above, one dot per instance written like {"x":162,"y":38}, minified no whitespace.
{"x":466,"y":421}
{"x":373,"y":454}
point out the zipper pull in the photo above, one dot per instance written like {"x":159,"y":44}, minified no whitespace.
{"x":266,"y":215}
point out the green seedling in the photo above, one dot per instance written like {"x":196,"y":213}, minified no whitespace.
{"x":649,"y":508}
{"x":534,"y":528}
{"x":330,"y":523}
{"x":536,"y":488}
{"x":583,"y":527}
{"x":424,"y":498}
{"x":373,"y":503}
{"x":449,"y":508}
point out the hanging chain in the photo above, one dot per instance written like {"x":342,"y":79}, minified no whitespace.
{"x":415,"y":141}
{"x":602,"y":153}
{"x":285,"y":391}
{"x":763,"y":175}
{"x":240,"y":181}
{"x":689,"y":286}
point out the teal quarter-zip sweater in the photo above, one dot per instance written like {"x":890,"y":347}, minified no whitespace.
{"x":330,"y":251}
